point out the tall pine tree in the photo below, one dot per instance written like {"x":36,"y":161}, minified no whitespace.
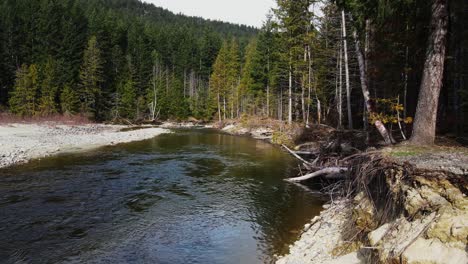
{"x":91,"y":78}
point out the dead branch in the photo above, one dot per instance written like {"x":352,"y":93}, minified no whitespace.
{"x":330,"y":170}
{"x":297,"y":156}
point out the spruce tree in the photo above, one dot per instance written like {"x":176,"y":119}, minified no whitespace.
{"x":47,"y":103}
{"x":218,"y":80}
{"x":23,"y":100}
{"x":127,"y":99}
{"x":233,"y":76}
{"x":69,"y":100}
{"x":91,"y":78}
{"x":247,"y":81}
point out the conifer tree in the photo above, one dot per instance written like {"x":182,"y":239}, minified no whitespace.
{"x":233,"y":76}
{"x":69,"y":101}
{"x":293,"y":21}
{"x":47,"y":103}
{"x":23,"y":100}
{"x":128,"y":99}
{"x":247,"y":81}
{"x":218,"y":80}
{"x":91,"y":77}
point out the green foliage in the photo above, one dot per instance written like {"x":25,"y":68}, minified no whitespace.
{"x":49,"y":90}
{"x":70,"y":101}
{"x":128,"y":100}
{"x":23,"y":98}
{"x":91,"y":77}
{"x":88,"y":43}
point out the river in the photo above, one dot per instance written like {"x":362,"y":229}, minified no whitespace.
{"x":194,"y":196}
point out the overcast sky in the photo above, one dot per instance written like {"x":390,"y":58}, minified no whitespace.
{"x":248,"y":12}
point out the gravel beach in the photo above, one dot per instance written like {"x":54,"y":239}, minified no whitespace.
{"x":20,"y":143}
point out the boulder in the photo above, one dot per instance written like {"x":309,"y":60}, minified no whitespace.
{"x":376,"y":236}
{"x":432,"y":251}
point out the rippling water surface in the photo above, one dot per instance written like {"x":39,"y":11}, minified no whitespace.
{"x":188,"y":197}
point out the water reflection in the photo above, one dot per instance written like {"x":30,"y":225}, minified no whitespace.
{"x":188,"y":197}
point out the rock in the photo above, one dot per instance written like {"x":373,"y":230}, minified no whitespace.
{"x":432,"y":251}
{"x":363,"y":213}
{"x":433,"y":198}
{"x":376,"y":236}
{"x":414,"y":202}
{"x":452,"y":226}
{"x":228,"y":127}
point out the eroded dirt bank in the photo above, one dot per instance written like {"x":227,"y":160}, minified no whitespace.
{"x":20,"y":143}
{"x":393,"y":210}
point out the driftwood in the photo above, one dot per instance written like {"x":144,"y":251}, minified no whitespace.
{"x":297,"y":156}
{"x":305,"y":152}
{"x":335,"y":171}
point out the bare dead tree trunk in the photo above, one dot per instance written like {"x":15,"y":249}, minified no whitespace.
{"x":303,"y":106}
{"x":280,"y":105}
{"x":405,"y":78}
{"x":309,"y":85}
{"x":185,"y":82}
{"x":290,"y":96}
{"x":424,"y":128}
{"x":340,"y":90}
{"x":348,"y":87}
{"x":219,"y":108}
{"x":268,"y":85}
{"x":365,"y":91}
{"x":154,"y":104}
{"x":224,"y":107}
{"x":330,"y":170}
{"x":319,"y":104}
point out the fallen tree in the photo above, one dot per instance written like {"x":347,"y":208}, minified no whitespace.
{"x":336,"y":172}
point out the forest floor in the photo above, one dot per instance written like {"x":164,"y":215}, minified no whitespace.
{"x":21,"y":142}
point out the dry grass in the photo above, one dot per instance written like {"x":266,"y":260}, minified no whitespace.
{"x":406,"y":150}
{"x":7,"y":118}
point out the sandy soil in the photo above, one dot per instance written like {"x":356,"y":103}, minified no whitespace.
{"x":320,"y":237}
{"x":20,"y":143}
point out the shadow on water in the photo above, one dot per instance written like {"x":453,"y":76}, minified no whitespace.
{"x":194,"y":196}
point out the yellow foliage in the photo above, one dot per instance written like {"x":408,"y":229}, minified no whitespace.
{"x":388,"y":109}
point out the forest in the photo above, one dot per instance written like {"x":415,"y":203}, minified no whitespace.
{"x":354,"y":64}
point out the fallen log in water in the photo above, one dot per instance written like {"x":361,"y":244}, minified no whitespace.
{"x":331,"y":170}
{"x":297,"y":156}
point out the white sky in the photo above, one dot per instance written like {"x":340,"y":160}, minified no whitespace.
{"x":247,"y":12}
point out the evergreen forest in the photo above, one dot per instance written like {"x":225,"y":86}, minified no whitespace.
{"x":386,"y":66}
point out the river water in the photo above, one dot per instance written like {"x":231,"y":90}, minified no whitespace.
{"x":194,"y":196}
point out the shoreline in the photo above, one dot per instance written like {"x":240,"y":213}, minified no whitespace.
{"x":21,"y":143}
{"x":349,"y":229}
{"x":415,"y":214}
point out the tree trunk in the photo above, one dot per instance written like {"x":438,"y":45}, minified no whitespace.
{"x":309,"y":86}
{"x":370,"y":107}
{"x":331,"y":170}
{"x":348,"y":87}
{"x":280,"y":105}
{"x":340,"y":90}
{"x":424,"y":128}
{"x":290,"y":106}
{"x":219,"y":108}
{"x":303,"y":84}
{"x":268,"y":86}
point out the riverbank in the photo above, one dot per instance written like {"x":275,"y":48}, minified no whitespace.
{"x":401,"y":205}
{"x":398,"y":204}
{"x":21,"y":142}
